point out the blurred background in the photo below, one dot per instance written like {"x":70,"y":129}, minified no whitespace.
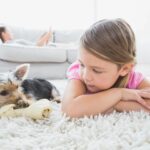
{"x":64,"y":14}
{"x":78,"y":14}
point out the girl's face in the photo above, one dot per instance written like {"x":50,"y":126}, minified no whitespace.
{"x":97,"y":73}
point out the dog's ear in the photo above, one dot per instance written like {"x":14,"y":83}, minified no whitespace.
{"x":21,"y":71}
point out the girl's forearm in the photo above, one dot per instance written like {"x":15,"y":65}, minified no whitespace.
{"x":94,"y":104}
{"x":130,"y":106}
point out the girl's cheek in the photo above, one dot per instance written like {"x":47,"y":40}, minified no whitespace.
{"x":81,"y":73}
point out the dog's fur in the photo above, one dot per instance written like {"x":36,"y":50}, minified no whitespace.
{"x":16,"y":89}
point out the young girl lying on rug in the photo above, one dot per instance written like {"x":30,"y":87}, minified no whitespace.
{"x":103,"y":78}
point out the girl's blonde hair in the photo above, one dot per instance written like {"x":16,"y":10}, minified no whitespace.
{"x":111,"y":40}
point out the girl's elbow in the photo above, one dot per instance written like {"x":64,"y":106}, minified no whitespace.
{"x":70,"y":110}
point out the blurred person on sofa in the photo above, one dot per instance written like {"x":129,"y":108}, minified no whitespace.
{"x":7,"y":37}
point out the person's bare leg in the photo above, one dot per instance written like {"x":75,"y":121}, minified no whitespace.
{"x":44,"y":39}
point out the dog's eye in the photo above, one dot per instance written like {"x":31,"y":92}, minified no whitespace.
{"x":4,"y":93}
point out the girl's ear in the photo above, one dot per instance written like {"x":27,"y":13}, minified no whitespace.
{"x":125,"y":69}
{"x":21,"y":71}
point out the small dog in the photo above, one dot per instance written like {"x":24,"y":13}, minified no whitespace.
{"x":16,"y":89}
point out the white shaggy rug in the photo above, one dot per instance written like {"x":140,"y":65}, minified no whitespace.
{"x":118,"y":131}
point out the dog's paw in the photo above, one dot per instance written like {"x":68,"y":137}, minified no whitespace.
{"x":21,"y":104}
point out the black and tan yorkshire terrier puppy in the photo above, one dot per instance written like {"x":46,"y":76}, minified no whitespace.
{"x":16,"y":89}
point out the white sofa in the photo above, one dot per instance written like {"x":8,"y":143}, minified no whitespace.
{"x":49,"y":62}
{"x":52,"y":62}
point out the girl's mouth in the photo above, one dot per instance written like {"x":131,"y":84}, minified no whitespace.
{"x":90,"y":88}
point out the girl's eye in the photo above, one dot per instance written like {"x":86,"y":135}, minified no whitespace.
{"x":4,"y":93}
{"x":96,"y":71}
{"x":82,"y":65}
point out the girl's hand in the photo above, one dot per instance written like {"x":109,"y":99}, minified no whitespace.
{"x":136,"y":95}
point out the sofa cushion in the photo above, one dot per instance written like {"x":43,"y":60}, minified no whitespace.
{"x":72,"y":55}
{"x":67,"y":36}
{"x":19,"y":53}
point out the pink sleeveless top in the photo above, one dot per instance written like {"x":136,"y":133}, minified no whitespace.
{"x":135,"y":78}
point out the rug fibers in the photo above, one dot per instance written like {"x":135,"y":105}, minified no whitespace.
{"x":117,"y":131}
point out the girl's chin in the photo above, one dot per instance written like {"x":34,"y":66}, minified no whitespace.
{"x":93,"y":90}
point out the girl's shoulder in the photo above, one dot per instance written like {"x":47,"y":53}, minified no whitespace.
{"x":73,"y":71}
{"x":135,"y":78}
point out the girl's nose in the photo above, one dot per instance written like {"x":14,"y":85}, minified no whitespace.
{"x":87,"y":75}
